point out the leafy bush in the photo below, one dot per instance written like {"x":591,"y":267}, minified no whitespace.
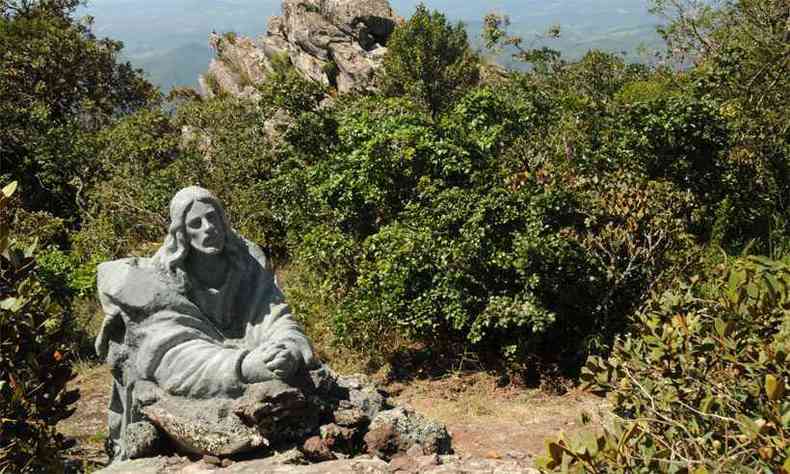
{"x":430,"y":61}
{"x":740,"y":50}
{"x":639,"y":232}
{"x":132,"y":185}
{"x":488,"y":270}
{"x":700,"y":384}
{"x":63,"y":272}
{"x":35,"y":363}
{"x":534,"y":212}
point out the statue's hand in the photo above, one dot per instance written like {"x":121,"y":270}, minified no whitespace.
{"x":253,"y":368}
{"x":284,"y":363}
{"x":269,"y":362}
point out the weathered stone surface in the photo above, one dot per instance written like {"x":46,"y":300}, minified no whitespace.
{"x":333,"y":42}
{"x":467,"y":464}
{"x":317,"y":450}
{"x":154,"y":465}
{"x":338,"y":438}
{"x":143,"y":440}
{"x":213,"y":460}
{"x":273,"y":407}
{"x":363,"y":395}
{"x":204,"y":426}
{"x":400,"y":429}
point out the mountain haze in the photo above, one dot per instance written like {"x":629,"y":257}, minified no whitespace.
{"x":169,"y":40}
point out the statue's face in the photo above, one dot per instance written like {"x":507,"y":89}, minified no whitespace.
{"x":205,"y":229}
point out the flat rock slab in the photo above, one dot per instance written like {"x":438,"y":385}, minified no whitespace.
{"x":420,"y":464}
{"x":203,"y":426}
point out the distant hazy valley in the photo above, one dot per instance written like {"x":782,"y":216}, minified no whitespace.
{"x":168,"y":39}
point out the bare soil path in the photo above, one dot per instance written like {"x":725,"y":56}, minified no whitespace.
{"x":494,"y":422}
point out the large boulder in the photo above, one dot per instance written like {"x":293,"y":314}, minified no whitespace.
{"x":339,"y":43}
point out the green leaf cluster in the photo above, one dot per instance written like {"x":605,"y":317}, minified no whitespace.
{"x":699,"y":385}
{"x":35,"y":361}
{"x":59,"y":84}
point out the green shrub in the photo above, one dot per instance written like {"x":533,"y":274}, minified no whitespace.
{"x":64,"y":272}
{"x":639,"y":232}
{"x":134,"y":179}
{"x":699,"y":385}
{"x":35,"y":363}
{"x":430,"y":61}
{"x":487,"y":270}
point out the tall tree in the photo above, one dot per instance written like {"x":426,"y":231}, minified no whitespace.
{"x":429,"y":60}
{"x":58,"y":84}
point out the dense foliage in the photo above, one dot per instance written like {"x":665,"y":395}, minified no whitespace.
{"x":498,"y":218}
{"x":35,"y":361}
{"x":60,"y":86}
{"x":429,"y":61}
{"x":700,"y":385}
{"x":58,"y":83}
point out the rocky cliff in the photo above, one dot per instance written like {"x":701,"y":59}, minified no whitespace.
{"x":339,"y":43}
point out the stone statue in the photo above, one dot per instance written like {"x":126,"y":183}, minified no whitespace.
{"x":202,"y":319}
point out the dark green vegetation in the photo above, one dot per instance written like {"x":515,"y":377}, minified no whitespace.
{"x":35,"y":360}
{"x":620,"y":223}
{"x":59,"y":87}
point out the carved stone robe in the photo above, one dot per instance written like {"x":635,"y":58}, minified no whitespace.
{"x":188,"y":340}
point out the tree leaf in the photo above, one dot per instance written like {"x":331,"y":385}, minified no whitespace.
{"x":9,"y":189}
{"x":774,"y":387}
{"x":8,"y":304}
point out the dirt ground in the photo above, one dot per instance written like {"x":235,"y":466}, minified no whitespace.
{"x":499,"y":422}
{"x":88,"y":424}
{"x":484,"y":419}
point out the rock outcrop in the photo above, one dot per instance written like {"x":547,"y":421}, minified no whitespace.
{"x":339,"y":43}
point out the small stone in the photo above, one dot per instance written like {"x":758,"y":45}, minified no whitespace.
{"x":518,"y":456}
{"x":198,"y":468}
{"x":213,"y":460}
{"x":399,"y":429}
{"x":382,"y":441}
{"x":337,"y":437}
{"x":316,"y":450}
{"x":227,"y":462}
{"x":403,"y":463}
{"x":291,"y":457}
{"x":142,"y":440}
{"x":493,"y":455}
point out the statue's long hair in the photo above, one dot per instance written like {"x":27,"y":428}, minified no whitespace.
{"x":172,"y":255}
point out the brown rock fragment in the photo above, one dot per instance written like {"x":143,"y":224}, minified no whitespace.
{"x":382,"y":442}
{"x":337,"y":437}
{"x":316,"y":450}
